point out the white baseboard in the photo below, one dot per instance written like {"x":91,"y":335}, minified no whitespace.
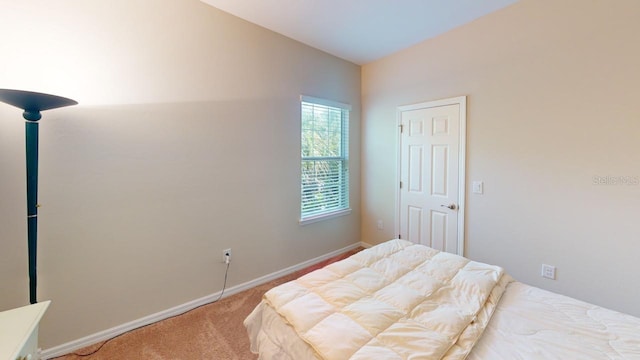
{"x":177,"y":310}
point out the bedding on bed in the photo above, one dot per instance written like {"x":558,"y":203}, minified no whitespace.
{"x":531,"y":323}
{"x":396,"y":300}
{"x":400,"y":300}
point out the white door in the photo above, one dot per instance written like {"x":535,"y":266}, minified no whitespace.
{"x":431,"y":197}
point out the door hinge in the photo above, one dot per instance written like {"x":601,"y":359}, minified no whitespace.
{"x":399,"y":236}
{"x":401,"y":128}
{"x":400,"y":184}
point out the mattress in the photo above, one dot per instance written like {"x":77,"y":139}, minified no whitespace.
{"x":527,"y":323}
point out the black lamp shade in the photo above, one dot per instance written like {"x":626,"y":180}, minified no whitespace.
{"x":33,"y":102}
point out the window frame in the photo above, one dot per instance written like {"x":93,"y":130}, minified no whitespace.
{"x":344,"y":158}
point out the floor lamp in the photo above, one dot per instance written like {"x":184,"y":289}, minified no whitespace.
{"x":32,"y":103}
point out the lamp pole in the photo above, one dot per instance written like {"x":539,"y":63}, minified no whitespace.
{"x":32,"y":103}
{"x":31,"y":142}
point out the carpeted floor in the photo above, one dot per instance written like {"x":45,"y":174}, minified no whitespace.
{"x":213,"y":331}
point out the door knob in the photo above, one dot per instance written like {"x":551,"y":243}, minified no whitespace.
{"x":450,"y":206}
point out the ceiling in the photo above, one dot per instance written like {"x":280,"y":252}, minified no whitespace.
{"x":360,"y":31}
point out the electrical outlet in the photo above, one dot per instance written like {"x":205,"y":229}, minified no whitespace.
{"x":548,"y":271}
{"x":380,"y":225}
{"x":226,"y":256}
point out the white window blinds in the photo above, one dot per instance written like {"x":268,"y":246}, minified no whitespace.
{"x":324,"y":158}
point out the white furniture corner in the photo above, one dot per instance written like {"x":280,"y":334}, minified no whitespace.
{"x":19,"y":332}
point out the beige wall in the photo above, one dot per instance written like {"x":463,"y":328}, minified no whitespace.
{"x":185,"y":143}
{"x":553,"y":89}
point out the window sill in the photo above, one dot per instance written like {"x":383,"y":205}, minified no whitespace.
{"x":327,"y":216}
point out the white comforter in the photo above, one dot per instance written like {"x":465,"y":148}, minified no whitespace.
{"x":396,"y":300}
{"x":531,"y":323}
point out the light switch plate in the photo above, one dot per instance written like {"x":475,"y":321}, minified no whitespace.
{"x":478,"y":187}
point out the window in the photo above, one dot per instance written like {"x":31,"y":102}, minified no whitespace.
{"x":324,"y":159}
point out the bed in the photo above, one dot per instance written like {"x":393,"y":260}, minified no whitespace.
{"x":400,"y":300}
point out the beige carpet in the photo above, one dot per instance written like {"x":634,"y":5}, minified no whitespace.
{"x":213,"y":331}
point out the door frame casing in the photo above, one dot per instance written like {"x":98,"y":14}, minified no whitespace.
{"x":461,"y":101}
